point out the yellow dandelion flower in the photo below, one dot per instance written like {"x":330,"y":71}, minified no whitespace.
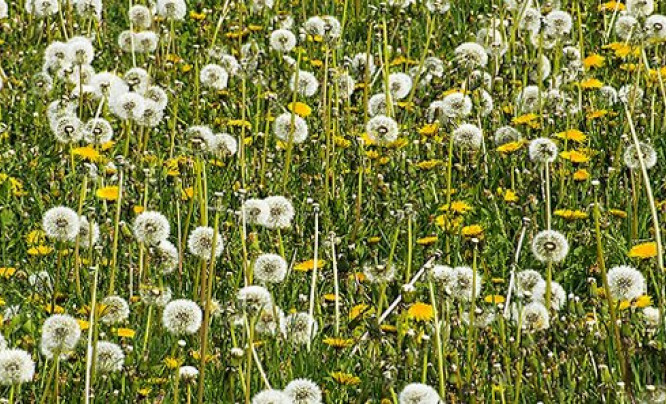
{"x":171,"y":363}
{"x":345,"y":379}
{"x":474,"y":230}
{"x":511,"y":147}
{"x":524,"y":119}
{"x":575,"y":156}
{"x":389,"y":328}
{"x":596,"y":114}
{"x":494,"y":299}
{"x":341,"y":142}
{"x":643,"y":301}
{"x":359,"y":309}
{"x":573,"y":135}
{"x":625,"y":304}
{"x":338,"y":343}
{"x":420,"y":312}
{"x":430,"y":240}
{"x":7,"y":272}
{"x":581,"y":175}
{"x":570,"y":214}
{"x":428,"y":164}
{"x":429,"y":130}
{"x":125,"y":332}
{"x":300,"y":108}
{"x":611,"y":6}
{"x":594,"y":60}
{"x":40,"y":250}
{"x":307,"y":266}
{"x":644,"y":250}
{"x":197,"y":16}
{"x":109,"y":193}
{"x":591,"y":84}
{"x":510,"y":196}
{"x":35,"y":237}
{"x":618,"y":213}
{"x":374,"y":240}
{"x":460,"y":207}
{"x":86,"y":153}
{"x":329,"y":297}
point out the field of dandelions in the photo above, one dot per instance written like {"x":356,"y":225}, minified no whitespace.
{"x":332,"y":201}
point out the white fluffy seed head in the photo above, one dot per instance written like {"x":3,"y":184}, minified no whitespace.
{"x":626,"y":283}
{"x":550,"y":246}
{"x":418,"y":393}
{"x":61,"y":223}
{"x":165,"y":257}
{"x":203,"y":241}
{"x":542,"y":150}
{"x":151,"y":227}
{"x":379,"y":273}
{"x":60,"y":334}
{"x":115,"y":310}
{"x":172,"y":9}
{"x":182,"y":317}
{"x":307,"y":83}
{"x":16,"y":367}
{"x":256,"y":211}
{"x":463,"y":286}
{"x":535,"y":317}
{"x":288,"y":125}
{"x":271,"y":396}
{"x":468,"y":137}
{"x":301,"y":328}
{"x":214,"y":76}
{"x":282,"y":40}
{"x":280,"y":212}
{"x":526,"y":280}
{"x":558,"y":297}
{"x":632,"y":158}
{"x":382,"y":129}
{"x":88,"y":232}
{"x":471,"y":55}
{"x":270,"y":268}
{"x":109,"y":357}
{"x":254,"y":298}
{"x":399,"y":84}
{"x":303,"y":391}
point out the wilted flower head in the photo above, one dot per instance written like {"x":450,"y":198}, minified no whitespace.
{"x":201,"y":243}
{"x":550,"y":246}
{"x":280,"y":212}
{"x":543,"y":150}
{"x":632,"y":158}
{"x":463,"y":286}
{"x":61,"y":223}
{"x":307,"y":83}
{"x":303,"y":391}
{"x":60,"y":334}
{"x":115,"y":310}
{"x":418,"y":393}
{"x":151,"y":227}
{"x":270,"y":268}
{"x":290,"y":126}
{"x":181,"y":317}
{"x":254,"y":298}
{"x":109,"y":357}
{"x":16,"y":367}
{"x":626,"y":283}
{"x":382,"y":129}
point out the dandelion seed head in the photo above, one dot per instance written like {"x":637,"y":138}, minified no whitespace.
{"x":282,"y":40}
{"x":201,"y":243}
{"x":379,"y":273}
{"x":16,"y":367}
{"x":67,"y":129}
{"x":418,"y":393}
{"x":550,"y":246}
{"x":307,"y":83}
{"x":256,"y":211}
{"x":97,"y":131}
{"x":151,"y":227}
{"x":140,"y":16}
{"x":88,"y":232}
{"x":280,"y":213}
{"x":303,"y":391}
{"x":463,"y":286}
{"x":640,"y":8}
{"x":632,"y":159}
{"x":60,"y":334}
{"x":626,"y":283}
{"x":399,"y":84}
{"x":535,"y":317}
{"x":288,"y":125}
{"x":214,"y":76}
{"x":61,"y":223}
{"x":526,"y":280}
{"x":382,"y":129}
{"x":165,"y":257}
{"x":109,"y":357}
{"x":542,"y":150}
{"x":171,"y":9}
{"x":254,"y":298}
{"x":182,"y":317}
{"x":271,"y":397}
{"x":115,"y":310}
{"x":270,"y":268}
{"x":471,"y":55}
{"x":558,"y":296}
{"x":468,"y":137}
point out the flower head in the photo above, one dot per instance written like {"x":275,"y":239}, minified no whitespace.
{"x":151,"y":227}
{"x":203,"y":241}
{"x":181,"y":317}
{"x":626,"y":283}
{"x":16,"y":367}
{"x":280,"y":212}
{"x":418,"y":393}
{"x":303,"y":391}
{"x":270,"y":268}
{"x":60,"y":334}
{"x":109,"y":357}
{"x":550,"y":246}
{"x":61,"y":223}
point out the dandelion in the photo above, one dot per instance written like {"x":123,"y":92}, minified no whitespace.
{"x":154,"y":296}
{"x":61,"y":223}
{"x":377,"y":105}
{"x":182,"y":317}
{"x":529,"y":99}
{"x":631,"y":157}
{"x":16,"y":367}
{"x":307,"y":83}
{"x":455,"y":105}
{"x":471,"y":55}
{"x":625,"y":26}
{"x":109,"y":357}
{"x":203,"y":241}
{"x":558,"y":296}
{"x":463,"y":286}
{"x":290,"y":127}
{"x":530,"y":20}
{"x":282,"y":40}
{"x":97,"y":131}
{"x":362,"y":62}
{"x":40,"y":282}
{"x":214,"y":76}
{"x":146,"y":42}
{"x":542,"y":150}
{"x":438,"y":6}
{"x":640,"y":8}
{"x":379,"y":273}
{"x":128,"y":106}
{"x":300,"y":328}
{"x":165,"y":257}
{"x":468,"y":137}
{"x":418,"y":393}
{"x":138,"y":79}
{"x":115,"y":310}
{"x":280,"y":213}
{"x":382,"y":129}
{"x":108,"y":85}
{"x":271,"y":321}
{"x":526,"y":281}
{"x":506,"y":134}
{"x":626,"y":283}
{"x":270,"y":268}
{"x":399,"y":84}
{"x":140,"y":16}
{"x":254,"y":298}
{"x":558,"y":23}
{"x":188,"y":373}
{"x":81,"y":50}
{"x":67,"y":129}
{"x":535,"y":317}
{"x":443,"y":275}
{"x":151,"y":227}
{"x":88,"y":233}
{"x":157,"y":95}
{"x":60,"y":334}
{"x":271,"y":396}
{"x":42,"y":8}
{"x":550,"y":246}
{"x":303,"y":391}
{"x":171,"y":9}
{"x":256,"y":211}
